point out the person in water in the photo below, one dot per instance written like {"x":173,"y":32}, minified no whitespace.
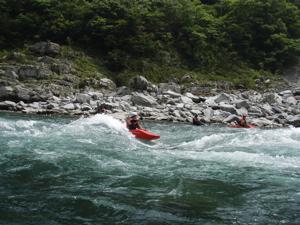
{"x":196,"y":121}
{"x":133,"y":121}
{"x":243,"y":122}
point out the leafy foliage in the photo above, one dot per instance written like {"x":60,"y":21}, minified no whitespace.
{"x":205,"y":35}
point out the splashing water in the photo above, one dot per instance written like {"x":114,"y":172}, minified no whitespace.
{"x":60,"y":170}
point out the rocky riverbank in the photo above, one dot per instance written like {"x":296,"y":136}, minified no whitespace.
{"x":27,"y":88}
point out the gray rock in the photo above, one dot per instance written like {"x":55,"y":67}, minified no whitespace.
{"x":242,"y":111}
{"x":223,"y":98}
{"x":6,"y":92}
{"x":186,"y":100}
{"x":296,"y":92}
{"x":231,"y":118}
{"x":143,"y":100}
{"x":86,"y":107}
{"x":294,"y":120}
{"x":82,"y":98}
{"x":52,"y":105}
{"x":22,"y":94}
{"x":290,"y":100}
{"x":267,"y":109}
{"x":208,"y":114}
{"x":195,"y":98}
{"x":228,"y":108}
{"x":121,"y":91}
{"x":107,"y":84}
{"x":69,"y":106}
{"x":272,"y":98}
{"x":172,"y":94}
{"x":45,"y":48}
{"x":171,"y":86}
{"x":34,"y":72}
{"x":61,"y":68}
{"x":7,"y":105}
{"x":47,"y":60}
{"x":255,"y":111}
{"x":286,"y":93}
{"x":140,"y":83}
{"x":242,"y":104}
{"x":262,"y":122}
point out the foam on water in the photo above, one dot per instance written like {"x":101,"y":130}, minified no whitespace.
{"x":190,"y":172}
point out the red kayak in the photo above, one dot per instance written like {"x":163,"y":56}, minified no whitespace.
{"x":144,"y":134}
{"x":238,"y":126}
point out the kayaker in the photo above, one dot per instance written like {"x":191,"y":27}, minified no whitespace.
{"x":133,"y":121}
{"x":196,"y":121}
{"x":243,"y":122}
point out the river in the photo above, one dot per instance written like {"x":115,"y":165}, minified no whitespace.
{"x":62,"y":170}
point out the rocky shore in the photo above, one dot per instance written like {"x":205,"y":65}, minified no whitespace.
{"x":162,"y":102}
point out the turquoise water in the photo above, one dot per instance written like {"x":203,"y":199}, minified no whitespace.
{"x":59,"y":170}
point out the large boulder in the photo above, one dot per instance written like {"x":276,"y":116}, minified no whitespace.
{"x":294,"y":120}
{"x":7,"y":105}
{"x":228,"y":108}
{"x":223,"y":98}
{"x":82,"y":98}
{"x":61,"y":68}
{"x":143,"y":100}
{"x":140,"y":83}
{"x":196,"y":99}
{"x":163,"y":87}
{"x":242,"y":104}
{"x":6,"y":92}
{"x":107,"y":84}
{"x":272,"y":98}
{"x":22,"y":94}
{"x":45,"y":48}
{"x":34,"y":72}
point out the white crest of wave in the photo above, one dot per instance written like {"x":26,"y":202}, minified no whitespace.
{"x":243,"y":159}
{"x":246,"y":139}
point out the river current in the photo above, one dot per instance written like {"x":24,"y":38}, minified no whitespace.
{"x":62,"y":170}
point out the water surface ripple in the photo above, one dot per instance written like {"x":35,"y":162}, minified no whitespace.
{"x":57,"y":170}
